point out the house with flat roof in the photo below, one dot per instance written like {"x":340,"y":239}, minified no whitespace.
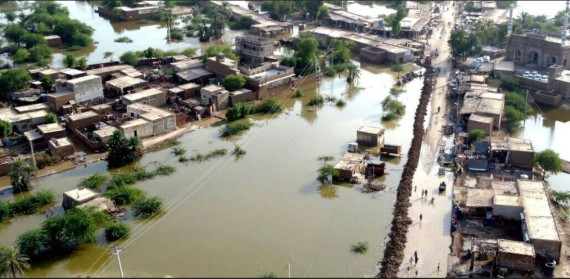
{"x":188,"y":64}
{"x":24,"y":121}
{"x":215,"y":97}
{"x":372,"y":136}
{"x":154,"y":97}
{"x":123,"y":85}
{"x":83,"y":120}
{"x":61,"y":147}
{"x":162,"y":121}
{"x":77,"y":196}
{"x":86,"y":88}
{"x":521,"y":153}
{"x":137,"y":128}
{"x":106,"y":72}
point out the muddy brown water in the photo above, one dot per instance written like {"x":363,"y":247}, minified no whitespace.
{"x":251,"y":216}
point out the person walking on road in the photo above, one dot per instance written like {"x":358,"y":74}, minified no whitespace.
{"x":420,"y":220}
{"x":437,"y":266}
{"x":416,"y":256}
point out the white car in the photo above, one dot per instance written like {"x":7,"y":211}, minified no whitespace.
{"x":537,"y":76}
{"x":526,"y":74}
{"x":534,"y":73}
{"x":544,"y":78}
{"x":486,"y":58}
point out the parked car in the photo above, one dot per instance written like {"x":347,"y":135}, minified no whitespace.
{"x":537,"y":76}
{"x":526,"y":74}
{"x":534,"y":72}
{"x":486,"y":58}
{"x":544,"y":78}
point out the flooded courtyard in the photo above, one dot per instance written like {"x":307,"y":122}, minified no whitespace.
{"x":252,"y":216}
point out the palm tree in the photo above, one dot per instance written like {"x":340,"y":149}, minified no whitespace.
{"x":20,"y":175}
{"x":108,"y":54}
{"x":11,"y":261}
{"x":524,"y":17}
{"x":353,"y":73}
{"x":325,"y":159}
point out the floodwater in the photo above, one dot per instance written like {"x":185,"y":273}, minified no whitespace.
{"x":547,"y":8}
{"x":252,"y":216}
{"x":548,"y":128}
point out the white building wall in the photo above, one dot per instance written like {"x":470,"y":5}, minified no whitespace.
{"x":143,"y":130}
{"x":87,"y":90}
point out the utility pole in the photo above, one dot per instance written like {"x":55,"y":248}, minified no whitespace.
{"x":116,"y":251}
{"x":33,"y":155}
{"x":288,"y":269}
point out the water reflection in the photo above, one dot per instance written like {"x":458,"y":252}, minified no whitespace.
{"x":328,"y":191}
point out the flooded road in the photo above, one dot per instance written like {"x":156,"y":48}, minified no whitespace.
{"x":251,"y":216}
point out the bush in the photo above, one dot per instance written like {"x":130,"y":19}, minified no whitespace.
{"x":31,"y":204}
{"x":215,"y":49}
{"x":14,"y":79}
{"x":4,"y":210}
{"x":397,"y":68}
{"x":141,"y":174}
{"x":268,"y":106}
{"x":516,"y":100}
{"x":396,"y":91}
{"x":510,"y":84}
{"x":317,"y":101}
{"x":244,"y":22}
{"x":361,"y":247}
{"x":33,"y":242}
{"x":51,"y":118}
{"x":124,"y":195}
{"x":514,"y":117}
{"x":94,"y":181}
{"x":176,"y":34}
{"x":239,"y":111}
{"x":298,"y":93}
{"x":121,"y":180}
{"x":389,"y":116}
{"x":146,"y":207}
{"x":5,"y":129}
{"x":212,"y":154}
{"x":476,"y":134}
{"x":340,"y":103}
{"x":130,"y":58}
{"x":47,"y":83}
{"x":178,"y":150}
{"x":123,"y":39}
{"x":233,"y":82}
{"x":21,"y":56}
{"x":233,"y":129}
{"x":116,"y":230}
{"x":238,"y":151}
{"x":165,"y":170}
{"x":183,"y":158}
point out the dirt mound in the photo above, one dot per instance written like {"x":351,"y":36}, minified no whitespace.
{"x":394,"y":251}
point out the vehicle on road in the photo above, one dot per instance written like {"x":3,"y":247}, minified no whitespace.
{"x":442,"y":186}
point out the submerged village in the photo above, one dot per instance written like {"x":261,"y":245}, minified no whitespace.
{"x":284,"y":139}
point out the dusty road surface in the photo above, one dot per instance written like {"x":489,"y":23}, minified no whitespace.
{"x":430,"y":237}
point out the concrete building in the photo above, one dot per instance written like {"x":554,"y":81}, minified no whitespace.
{"x":104,"y":134}
{"x":268,"y":79}
{"x":77,"y":197}
{"x":241,"y":96}
{"x":56,"y":101}
{"x":102,"y":109}
{"x":106,"y":72}
{"x":536,"y":49}
{"x":123,"y":85}
{"x":83,"y":120}
{"x":516,"y":255}
{"x":31,"y":108}
{"x":349,"y":165}
{"x":521,"y":153}
{"x":189,"y":90}
{"x":539,"y":226}
{"x":137,"y":128}
{"x":200,"y":76}
{"x":61,"y":147}
{"x":561,"y":84}
{"x":141,"y":10}
{"x":73,"y":73}
{"x":87,"y":88}
{"x":484,"y":104}
{"x":154,"y":97}
{"x":480,"y":122}
{"x":503,"y":69}
{"x":222,"y":66}
{"x":188,"y":64}
{"x":371,"y":136}
{"x":253,"y":49}
{"x":50,"y":131}
{"x":161,"y":121}
{"x":216,"y":97}
{"x":53,"y":40}
{"x":550,"y":98}
{"x":25,"y":121}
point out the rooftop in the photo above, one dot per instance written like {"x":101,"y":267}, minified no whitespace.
{"x":564,"y":76}
{"x":134,"y":123}
{"x":102,"y":70}
{"x":187,"y":63}
{"x":80,"y":194}
{"x":522,"y":145}
{"x":479,"y":198}
{"x":148,"y":112}
{"x":508,"y":66}
{"x":504,"y":187}
{"x":371,"y":130}
{"x":50,"y":128}
{"x":24,"y":109}
{"x":83,"y":115}
{"x":83,"y":79}
{"x":142,"y":94}
{"x":212,"y":88}
{"x":104,"y":132}
{"x":33,"y":135}
{"x":193,"y":74}
{"x":481,"y":119}
{"x":506,"y":200}
{"x":61,"y":142}
{"x":515,"y":247}
{"x":72,"y":72}
{"x":125,"y":81}
{"x":188,"y":86}
{"x":490,"y":106}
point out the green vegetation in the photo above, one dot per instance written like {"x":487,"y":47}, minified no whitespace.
{"x":464,"y":44}
{"x":140,"y":173}
{"x":239,"y":111}
{"x":278,"y":10}
{"x":5,"y":129}
{"x":63,"y":233}
{"x":212,"y":25}
{"x":165,"y":170}
{"x":340,"y":103}
{"x":327,"y":169}
{"x":183,"y":158}
{"x":394,"y":20}
{"x":116,"y":230}
{"x":307,"y":50}
{"x":108,"y":55}
{"x":244,"y":22}
{"x":14,"y":79}
{"x":514,"y":117}
{"x":396,"y":91}
{"x":476,"y":134}
{"x":94,"y":181}
{"x":147,"y":207}
{"x":398,"y":68}
{"x":361,"y":247}
{"x":270,"y":274}
{"x":233,"y":82}
{"x":123,"y":151}
{"x":317,"y":101}
{"x":560,"y":197}
{"x":353,"y":73}
{"x":515,"y":106}
{"x":178,"y":150}
{"x":211,"y":51}
{"x":549,"y":161}
{"x":234,"y":128}
{"x":122,"y":179}
{"x":51,"y":118}
{"x":238,"y":151}
{"x":21,"y":175}
{"x":12,"y":262}
{"x":123,"y":39}
{"x":268,"y":106}
{"x":70,"y":61}
{"x":211,"y":155}
{"x":298,"y":93}
{"x":47,"y":83}
{"x":393,"y":109}
{"x":124,"y":195}
{"x":26,"y":205}
{"x":129,"y":57}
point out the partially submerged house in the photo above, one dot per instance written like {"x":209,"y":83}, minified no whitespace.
{"x":77,"y":196}
{"x":349,"y":165}
{"x":215,"y":97}
{"x":371,"y":136}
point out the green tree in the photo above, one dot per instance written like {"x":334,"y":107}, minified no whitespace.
{"x":476,"y":134}
{"x":147,"y":207}
{"x":81,"y":63}
{"x":21,"y":175}
{"x":549,"y":161}
{"x":514,"y":117}
{"x":10,"y":16}
{"x":5,"y":129}
{"x":33,"y":242}
{"x":130,"y":58}
{"x":116,"y":230}
{"x":70,"y":61}
{"x":14,"y":33}
{"x":353,"y":73}
{"x":149,"y":53}
{"x":14,"y":79}
{"x":312,"y":7}
{"x":278,"y":10}
{"x":39,"y":52}
{"x":46,"y":82}
{"x":12,"y":262}
{"x":238,"y":111}
{"x":394,"y":20}
{"x":51,"y":118}
{"x":323,"y":11}
{"x":67,"y":232}
{"x":213,"y":50}
{"x":108,"y":54}
{"x":21,"y":55}
{"x":233,"y":82}
{"x":464,"y":44}
{"x":123,"y":151}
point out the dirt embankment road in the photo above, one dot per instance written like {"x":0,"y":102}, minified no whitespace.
{"x":394,"y":251}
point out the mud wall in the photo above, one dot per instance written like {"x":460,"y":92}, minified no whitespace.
{"x":394,"y":251}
